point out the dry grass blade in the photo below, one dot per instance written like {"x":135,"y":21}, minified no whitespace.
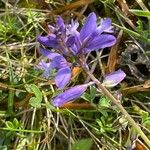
{"x":113,"y":56}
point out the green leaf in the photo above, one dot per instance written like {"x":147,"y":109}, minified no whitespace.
{"x":4,"y":147}
{"x":103,"y":120}
{"x":86,"y":97}
{"x":144,"y":115}
{"x":22,"y":144}
{"x":104,"y":102}
{"x":16,"y":123}
{"x":133,"y":33}
{"x":36,"y":91}
{"x":104,"y":113}
{"x":28,"y":88}
{"x":100,"y":125}
{"x":139,"y":28}
{"x":35,"y":102}
{"x":92,"y":92}
{"x":83,"y":144}
{"x":140,"y":13}
{"x":9,"y":125}
{"x":147,"y":122}
{"x":90,"y":97}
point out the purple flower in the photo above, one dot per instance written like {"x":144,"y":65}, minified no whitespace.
{"x":92,"y":37}
{"x":68,"y":40}
{"x":46,"y":67}
{"x":69,"y":95}
{"x":114,"y":78}
{"x":57,"y":39}
{"x":58,"y":62}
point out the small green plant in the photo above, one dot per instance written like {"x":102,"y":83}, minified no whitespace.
{"x":146,"y":119}
{"x":91,"y":95}
{"x":84,"y":144}
{"x":35,"y":101}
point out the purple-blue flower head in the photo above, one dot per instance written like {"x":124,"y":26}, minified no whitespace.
{"x":58,"y":62}
{"x":69,"y":95}
{"x":114,"y":78}
{"x":57,"y":38}
{"x":92,"y":37}
{"x":68,"y":40}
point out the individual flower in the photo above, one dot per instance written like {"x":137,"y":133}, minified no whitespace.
{"x":91,"y":37}
{"x":58,"y":62}
{"x":69,"y":95}
{"x":68,"y":40}
{"x":114,"y":78}
{"x":58,"y":38}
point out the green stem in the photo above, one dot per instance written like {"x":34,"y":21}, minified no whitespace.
{"x":20,"y":130}
{"x":142,"y":5}
{"x":133,"y":33}
{"x":10,"y":102}
{"x":118,"y":104}
{"x":11,"y":92}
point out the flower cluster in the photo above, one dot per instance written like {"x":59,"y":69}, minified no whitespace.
{"x":68,"y":41}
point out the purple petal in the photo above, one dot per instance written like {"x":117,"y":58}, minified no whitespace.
{"x":70,"y":41}
{"x":60,"y":62}
{"x":72,"y":28}
{"x":89,"y":26}
{"x":63,"y":77}
{"x":101,"y":41}
{"x":43,"y":65}
{"x":72,"y":45}
{"x":57,"y":60}
{"x":60,"y":22}
{"x":49,"y":41}
{"x":51,"y":28}
{"x":105,"y":26}
{"x":46,"y":67}
{"x":71,"y":94}
{"x":74,"y":49}
{"x":48,"y":54}
{"x":114,"y":78}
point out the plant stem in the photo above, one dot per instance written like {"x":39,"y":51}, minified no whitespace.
{"x":11,"y":92}
{"x":118,"y":104}
{"x":133,"y":33}
{"x":10,"y":102}
{"x":21,"y":130}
